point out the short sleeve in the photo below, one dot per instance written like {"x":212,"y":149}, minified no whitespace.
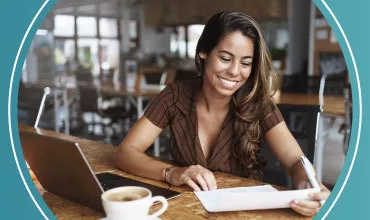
{"x":272,"y":120}
{"x":158,"y":110}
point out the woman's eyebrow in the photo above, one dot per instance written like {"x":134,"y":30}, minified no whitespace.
{"x":227,"y":52}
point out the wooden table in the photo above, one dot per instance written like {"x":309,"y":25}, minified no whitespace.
{"x":136,"y":94}
{"x":332,"y":104}
{"x":119,"y":89}
{"x":186,"y":206}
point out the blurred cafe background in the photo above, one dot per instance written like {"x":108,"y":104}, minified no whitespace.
{"x":105,"y":60}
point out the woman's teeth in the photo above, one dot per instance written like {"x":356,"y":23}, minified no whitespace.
{"x":227,"y":82}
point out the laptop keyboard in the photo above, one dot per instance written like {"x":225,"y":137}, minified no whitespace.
{"x":109,"y":181}
{"x":106,"y":186}
{"x":109,"y":184}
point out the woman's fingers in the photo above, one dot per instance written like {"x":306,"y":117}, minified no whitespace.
{"x":307,"y":203}
{"x":310,"y":207}
{"x":201,"y":182}
{"x":196,"y":176}
{"x":210,"y":180}
{"x":192,"y":184}
{"x":303,"y":210}
{"x":319,"y":195}
{"x":323,"y":195}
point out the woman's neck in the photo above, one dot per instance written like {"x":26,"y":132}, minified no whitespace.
{"x":211,"y":100}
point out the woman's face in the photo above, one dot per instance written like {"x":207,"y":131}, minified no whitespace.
{"x":229,"y":64}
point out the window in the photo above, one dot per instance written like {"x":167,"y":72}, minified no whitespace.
{"x":194,"y":32}
{"x":108,"y":27}
{"x":86,"y":47}
{"x":64,"y":53}
{"x":86,"y":26}
{"x":133,"y":34}
{"x":109,"y":54}
{"x":88,"y":54}
{"x":182,"y":45}
{"x":178,"y":43}
{"x":64,"y":25}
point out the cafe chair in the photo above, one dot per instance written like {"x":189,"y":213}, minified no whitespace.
{"x":107,"y":79}
{"x":333,"y":84}
{"x":29,"y":100}
{"x":154,"y":76}
{"x":347,"y":125}
{"x":182,"y":75}
{"x":295,"y":83}
{"x":98,"y":115}
{"x":302,"y":123}
{"x":107,"y":76}
{"x":83,"y":76}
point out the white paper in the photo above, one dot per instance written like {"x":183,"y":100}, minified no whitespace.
{"x":264,"y":188}
{"x":250,"y":198}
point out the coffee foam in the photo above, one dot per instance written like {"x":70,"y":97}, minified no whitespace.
{"x":127,"y":196}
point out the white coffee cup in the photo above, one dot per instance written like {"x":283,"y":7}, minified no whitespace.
{"x":131,"y":202}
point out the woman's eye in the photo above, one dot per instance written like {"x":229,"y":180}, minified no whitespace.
{"x":246,"y":64}
{"x":225,"y":59}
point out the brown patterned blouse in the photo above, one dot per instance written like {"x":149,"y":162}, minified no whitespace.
{"x":175,"y":106}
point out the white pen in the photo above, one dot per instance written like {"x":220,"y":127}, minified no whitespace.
{"x":310,"y":172}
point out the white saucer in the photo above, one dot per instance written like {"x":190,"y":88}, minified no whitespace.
{"x":149,"y":218}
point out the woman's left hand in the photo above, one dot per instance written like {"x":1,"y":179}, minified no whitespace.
{"x":310,"y":207}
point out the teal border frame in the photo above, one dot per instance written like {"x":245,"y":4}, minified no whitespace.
{"x":12,"y":109}
{"x":330,"y":17}
{"x":357,"y":108}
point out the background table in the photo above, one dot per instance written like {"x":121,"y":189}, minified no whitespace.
{"x":332,"y":104}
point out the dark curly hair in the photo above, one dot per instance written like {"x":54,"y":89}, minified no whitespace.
{"x":252,"y":102}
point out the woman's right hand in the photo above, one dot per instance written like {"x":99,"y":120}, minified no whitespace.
{"x":195,"y":176}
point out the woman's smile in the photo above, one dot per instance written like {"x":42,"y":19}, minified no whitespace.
{"x":228,"y":84}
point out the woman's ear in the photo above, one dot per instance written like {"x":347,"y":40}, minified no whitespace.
{"x":202,"y":55}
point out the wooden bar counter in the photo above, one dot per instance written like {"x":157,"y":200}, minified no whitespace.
{"x":186,"y":206}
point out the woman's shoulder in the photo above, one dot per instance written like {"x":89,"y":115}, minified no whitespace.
{"x":183,"y":89}
{"x":185,"y":85}
{"x":273,"y":118}
{"x":174,"y":102}
{"x":181,"y":94}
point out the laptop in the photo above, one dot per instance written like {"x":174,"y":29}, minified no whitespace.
{"x":62,"y":169}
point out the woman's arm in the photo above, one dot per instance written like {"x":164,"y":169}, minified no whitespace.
{"x":286,"y":149}
{"x":131,"y":157}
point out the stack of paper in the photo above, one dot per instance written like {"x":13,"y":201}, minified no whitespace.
{"x":250,"y":198}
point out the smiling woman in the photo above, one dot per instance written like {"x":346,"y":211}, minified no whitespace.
{"x":217,"y":121}
{"x":235,"y":66}
{"x":229,"y":64}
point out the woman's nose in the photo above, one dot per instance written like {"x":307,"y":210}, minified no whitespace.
{"x":234,"y":69}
